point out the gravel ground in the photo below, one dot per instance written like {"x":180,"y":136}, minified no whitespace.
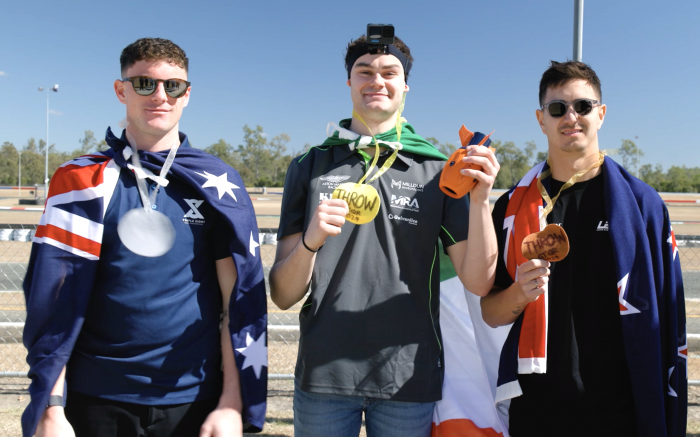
{"x":279,"y":421}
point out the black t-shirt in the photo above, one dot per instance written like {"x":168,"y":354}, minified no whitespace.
{"x":370,"y":325}
{"x":586,"y":390}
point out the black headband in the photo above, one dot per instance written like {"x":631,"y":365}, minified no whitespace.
{"x":363,"y":49}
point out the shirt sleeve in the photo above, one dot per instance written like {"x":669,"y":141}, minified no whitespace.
{"x":503,"y":279}
{"x":455,"y":221}
{"x":294,"y":200}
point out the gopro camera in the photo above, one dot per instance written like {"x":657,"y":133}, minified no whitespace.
{"x":379,"y":36}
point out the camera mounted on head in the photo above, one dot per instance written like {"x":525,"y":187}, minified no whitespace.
{"x":379,"y":36}
{"x":379,"y":40}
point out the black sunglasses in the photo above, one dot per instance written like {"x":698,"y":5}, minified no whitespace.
{"x":145,"y":86}
{"x":557,"y":108}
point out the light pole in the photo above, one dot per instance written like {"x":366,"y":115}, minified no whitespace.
{"x":46,"y":168}
{"x":637,"y":138}
{"x":19,"y":175}
{"x":578,"y":30}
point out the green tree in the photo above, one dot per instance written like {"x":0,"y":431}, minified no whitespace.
{"x":514,"y":162}
{"x":89,"y":144}
{"x":9,"y":161}
{"x":446,"y":148}
{"x":630,"y":154}
{"x":225,"y":152}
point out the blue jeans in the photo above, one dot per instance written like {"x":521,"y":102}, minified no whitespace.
{"x":326,"y":415}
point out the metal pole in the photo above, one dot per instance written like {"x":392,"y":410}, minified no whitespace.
{"x":46,"y":168}
{"x":637,"y":157}
{"x":578,"y":30}
{"x":19,"y":177}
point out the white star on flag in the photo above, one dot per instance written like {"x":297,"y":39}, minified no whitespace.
{"x":221,"y":183}
{"x":255,"y":353}
{"x":253,"y":244}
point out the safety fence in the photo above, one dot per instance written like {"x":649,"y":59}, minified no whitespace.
{"x":283,"y":326}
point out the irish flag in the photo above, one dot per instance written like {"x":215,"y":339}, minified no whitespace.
{"x":472,"y":351}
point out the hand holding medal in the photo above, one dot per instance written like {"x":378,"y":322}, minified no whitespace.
{"x":145,"y":231}
{"x":552,"y":243}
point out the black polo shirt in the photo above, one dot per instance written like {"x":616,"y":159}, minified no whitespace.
{"x":370,"y":325}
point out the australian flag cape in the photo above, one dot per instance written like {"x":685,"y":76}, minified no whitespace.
{"x":650,"y":294}
{"x":66,"y":252}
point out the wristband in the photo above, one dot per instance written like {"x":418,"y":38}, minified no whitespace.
{"x":307,"y":247}
{"x":55,"y":401}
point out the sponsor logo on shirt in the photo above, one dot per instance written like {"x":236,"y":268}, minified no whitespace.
{"x":404,"y":202}
{"x":324,"y":196}
{"x":193,"y":216}
{"x":403,"y":219}
{"x":332,"y":181}
{"x":410,"y":186}
{"x":603,"y":226}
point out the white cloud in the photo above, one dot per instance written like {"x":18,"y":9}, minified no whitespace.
{"x":2,"y":73}
{"x":54,"y":112}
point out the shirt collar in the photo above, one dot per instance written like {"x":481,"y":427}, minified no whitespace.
{"x":342,"y":153}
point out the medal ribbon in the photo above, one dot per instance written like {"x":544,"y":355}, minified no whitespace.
{"x":394,"y":145}
{"x":147,"y":200}
{"x":550,"y":202}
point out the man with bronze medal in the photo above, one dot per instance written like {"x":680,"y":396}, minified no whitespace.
{"x":361,"y":218}
{"x":146,"y":303}
{"x":588,"y":273}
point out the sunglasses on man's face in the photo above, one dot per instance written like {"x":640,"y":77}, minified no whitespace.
{"x":557,"y":108}
{"x":145,"y":86}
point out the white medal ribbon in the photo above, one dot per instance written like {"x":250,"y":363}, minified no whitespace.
{"x":358,"y":141}
{"x":145,"y":231}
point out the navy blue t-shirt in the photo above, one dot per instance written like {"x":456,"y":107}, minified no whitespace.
{"x":151,"y":334}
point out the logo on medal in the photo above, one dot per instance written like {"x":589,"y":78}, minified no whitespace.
{"x":332,"y":181}
{"x":410,"y":186}
{"x":193,"y":216}
{"x":404,"y":202}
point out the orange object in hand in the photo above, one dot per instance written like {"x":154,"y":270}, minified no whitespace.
{"x":452,"y":182}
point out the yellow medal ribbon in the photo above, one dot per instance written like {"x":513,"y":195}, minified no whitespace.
{"x":550,"y":202}
{"x":363,"y":199}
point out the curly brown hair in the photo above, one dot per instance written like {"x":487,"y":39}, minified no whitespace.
{"x":560,"y":73}
{"x":153,"y":49}
{"x":398,"y":43}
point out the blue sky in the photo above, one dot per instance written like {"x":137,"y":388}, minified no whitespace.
{"x":279,"y":64}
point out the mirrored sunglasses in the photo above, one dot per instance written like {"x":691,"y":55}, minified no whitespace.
{"x":145,"y":86}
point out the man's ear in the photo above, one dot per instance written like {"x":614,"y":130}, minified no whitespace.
{"x":406,"y":88}
{"x":540,"y":119}
{"x":602,"y":110}
{"x":348,"y":82}
{"x":119,"y":90}
{"x":186,"y":97}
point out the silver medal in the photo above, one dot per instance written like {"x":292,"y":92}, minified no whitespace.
{"x":146,"y":233}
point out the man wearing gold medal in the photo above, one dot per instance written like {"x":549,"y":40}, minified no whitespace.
{"x":361,"y":219}
{"x":598,"y":344}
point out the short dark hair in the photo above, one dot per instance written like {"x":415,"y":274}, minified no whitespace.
{"x":560,"y":73}
{"x":398,"y":43}
{"x":153,"y":49}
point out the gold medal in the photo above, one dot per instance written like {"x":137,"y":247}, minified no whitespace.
{"x":362,"y":199}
